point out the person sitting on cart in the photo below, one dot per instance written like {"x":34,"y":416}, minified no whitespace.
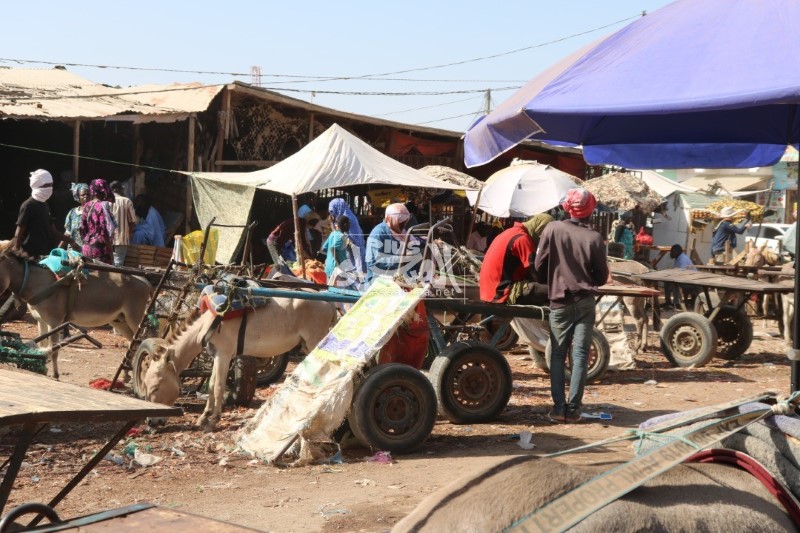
{"x":726,"y":232}
{"x":384,"y":246}
{"x":672,"y":291}
{"x":507,"y":274}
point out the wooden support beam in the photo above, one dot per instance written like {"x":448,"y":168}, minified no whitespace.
{"x":190,"y":168}
{"x":245,"y":163}
{"x":223,"y":123}
{"x":311,"y":126}
{"x":76,"y":150}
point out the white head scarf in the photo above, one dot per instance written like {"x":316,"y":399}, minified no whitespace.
{"x":38,"y":179}
{"x":398,"y":210}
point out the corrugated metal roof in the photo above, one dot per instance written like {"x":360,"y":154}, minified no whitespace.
{"x":59,"y":94}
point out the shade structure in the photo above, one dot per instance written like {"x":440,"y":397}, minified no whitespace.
{"x":623,"y":192}
{"x":522,"y":190}
{"x":453,"y":176}
{"x":698,"y":83}
{"x":335,"y":159}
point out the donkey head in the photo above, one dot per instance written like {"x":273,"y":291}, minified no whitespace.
{"x":161,"y":381}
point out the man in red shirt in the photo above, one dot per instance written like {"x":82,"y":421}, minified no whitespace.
{"x":507,"y":274}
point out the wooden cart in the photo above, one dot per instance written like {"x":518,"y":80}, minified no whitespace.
{"x":33,"y":402}
{"x":691,"y":339}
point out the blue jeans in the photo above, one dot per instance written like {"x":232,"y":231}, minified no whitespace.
{"x":570,"y":325}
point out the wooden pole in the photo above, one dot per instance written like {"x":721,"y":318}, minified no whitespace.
{"x":189,"y":168}
{"x":297,"y":242}
{"x":311,"y":119}
{"x":222,"y":128}
{"x":474,"y":214}
{"x":76,"y":150}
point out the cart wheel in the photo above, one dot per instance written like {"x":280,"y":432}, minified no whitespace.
{"x":270,"y":369}
{"x":734,"y":332}
{"x":688,"y":340}
{"x":241,"y":384}
{"x":141,"y":362}
{"x":394,"y":408}
{"x":599,"y":357}
{"x":472,"y":381}
{"x":507,"y":341}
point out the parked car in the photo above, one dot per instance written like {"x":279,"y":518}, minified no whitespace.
{"x":770,"y":233}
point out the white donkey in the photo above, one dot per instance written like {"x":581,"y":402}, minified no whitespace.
{"x":270,"y":331}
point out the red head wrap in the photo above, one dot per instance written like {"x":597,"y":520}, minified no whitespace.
{"x":579,"y":203}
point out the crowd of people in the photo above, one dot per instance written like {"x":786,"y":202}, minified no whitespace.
{"x":557,"y":261}
{"x":101,"y":226}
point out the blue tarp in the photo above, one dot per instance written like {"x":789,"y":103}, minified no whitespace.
{"x":698,"y":83}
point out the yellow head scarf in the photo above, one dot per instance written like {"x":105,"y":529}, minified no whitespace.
{"x":536,"y":224}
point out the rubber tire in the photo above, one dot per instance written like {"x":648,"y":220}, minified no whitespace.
{"x":734,"y":332}
{"x":507,"y":341}
{"x":141,"y":362}
{"x":276,"y":366}
{"x":393,"y":389}
{"x":241,"y":382}
{"x":486,"y":374}
{"x":599,"y":357}
{"x":694,"y":325}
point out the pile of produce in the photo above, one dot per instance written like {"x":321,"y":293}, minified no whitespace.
{"x":713,"y":209}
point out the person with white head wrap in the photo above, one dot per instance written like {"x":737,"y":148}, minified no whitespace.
{"x":41,"y":185}
{"x":385,"y":241}
{"x":36,"y":234}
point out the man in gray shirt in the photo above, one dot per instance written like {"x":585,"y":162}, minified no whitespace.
{"x":572,"y":258}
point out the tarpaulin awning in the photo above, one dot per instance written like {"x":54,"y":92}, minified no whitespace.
{"x":662,"y":185}
{"x":334,"y":160}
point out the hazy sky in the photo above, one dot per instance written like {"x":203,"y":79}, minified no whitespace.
{"x":318,"y":39}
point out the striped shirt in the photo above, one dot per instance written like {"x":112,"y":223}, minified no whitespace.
{"x":123,"y":212}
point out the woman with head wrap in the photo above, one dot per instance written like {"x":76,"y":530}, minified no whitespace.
{"x":98,"y":224}
{"x":507,"y":274}
{"x":72,"y":224}
{"x":338,"y":207}
{"x":384,"y":245}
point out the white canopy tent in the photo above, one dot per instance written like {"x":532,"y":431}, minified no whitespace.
{"x":335,"y":159}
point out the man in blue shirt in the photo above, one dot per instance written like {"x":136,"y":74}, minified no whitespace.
{"x":672,"y":291}
{"x":385,"y":242}
{"x":726,"y":231}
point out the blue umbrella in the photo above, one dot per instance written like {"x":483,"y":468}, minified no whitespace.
{"x":698,"y":83}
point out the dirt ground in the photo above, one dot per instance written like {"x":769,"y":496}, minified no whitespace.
{"x":202,"y":474}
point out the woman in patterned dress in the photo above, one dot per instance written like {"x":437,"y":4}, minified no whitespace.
{"x":98,"y":224}
{"x":72,"y":224}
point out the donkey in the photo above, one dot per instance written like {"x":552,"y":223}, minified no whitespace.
{"x":688,"y":497}
{"x":270,"y":331}
{"x":102,"y":298}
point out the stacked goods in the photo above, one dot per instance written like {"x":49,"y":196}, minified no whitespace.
{"x":756,"y":211}
{"x":700,"y":214}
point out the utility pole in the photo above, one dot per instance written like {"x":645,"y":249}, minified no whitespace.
{"x":255,"y":75}
{"x":488,"y":107}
